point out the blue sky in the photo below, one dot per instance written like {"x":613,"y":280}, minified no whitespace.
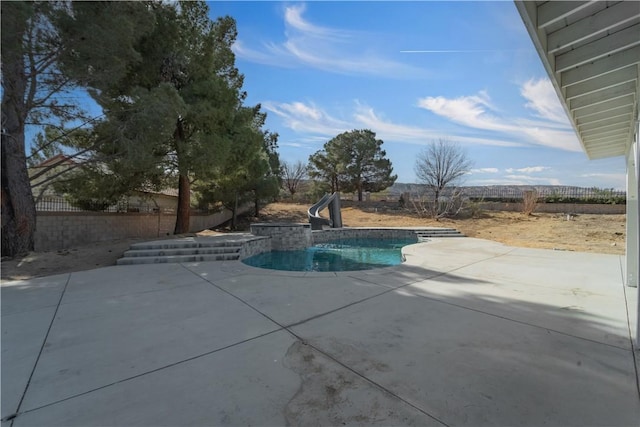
{"x":412,"y":72}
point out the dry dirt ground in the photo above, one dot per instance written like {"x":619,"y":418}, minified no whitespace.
{"x":586,"y":233}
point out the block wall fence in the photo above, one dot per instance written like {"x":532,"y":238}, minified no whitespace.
{"x":63,"y":230}
{"x":566,"y":208}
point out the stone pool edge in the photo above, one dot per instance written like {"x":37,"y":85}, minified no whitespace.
{"x":277,"y":236}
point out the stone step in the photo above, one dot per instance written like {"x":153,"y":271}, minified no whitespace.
{"x":188,"y":249}
{"x":441,"y":235}
{"x":200,"y":250}
{"x":186,"y":244}
{"x":438,"y":231}
{"x":178,"y":258}
{"x":429,"y":230}
{"x":424,"y":235}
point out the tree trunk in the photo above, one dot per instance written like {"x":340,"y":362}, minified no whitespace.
{"x":359,"y":193}
{"x":436,"y":204}
{"x":256,"y":204}
{"x":184,"y":185}
{"x":184,"y":205}
{"x":18,"y":207}
{"x":234,"y":212}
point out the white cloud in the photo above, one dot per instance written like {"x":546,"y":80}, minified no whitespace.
{"x":477,"y":112}
{"x":366,"y":117}
{"x":527,"y":179}
{"x":329,"y":49}
{"x":541,"y":97}
{"x":606,"y":180}
{"x":605,"y":175}
{"x":471,"y":111}
{"x":529,"y":169}
{"x":293,"y":18}
{"x":554,"y":181}
{"x":485,"y":170}
{"x":562,"y":140}
{"x":291,"y":144}
{"x":307,"y":118}
{"x":261,"y":57}
{"x":516,"y":180}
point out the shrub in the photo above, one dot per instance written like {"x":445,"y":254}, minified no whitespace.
{"x":529,"y":201}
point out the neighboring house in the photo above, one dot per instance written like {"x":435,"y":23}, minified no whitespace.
{"x":165,"y":201}
{"x":46,"y":173}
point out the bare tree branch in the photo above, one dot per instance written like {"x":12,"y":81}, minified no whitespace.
{"x":440,"y":167}
{"x":65,"y":134}
{"x":292,"y":174}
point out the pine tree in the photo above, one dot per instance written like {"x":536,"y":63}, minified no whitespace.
{"x":170,"y":119}
{"x":353,"y":161}
{"x":50,"y":49}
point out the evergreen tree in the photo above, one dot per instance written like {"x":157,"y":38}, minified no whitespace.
{"x":325,"y":166}
{"x":267,"y":177}
{"x":50,"y":49}
{"x":353,"y":161}
{"x":247,"y":173}
{"x":44,"y":146}
{"x":171,"y":118}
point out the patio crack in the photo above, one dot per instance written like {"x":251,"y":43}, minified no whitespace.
{"x":142,"y":374}
{"x":443,"y":273}
{"x":14,"y":415}
{"x":521,"y":322}
{"x":430,"y":298}
{"x":304,"y":342}
{"x":633,"y":350}
{"x":326,"y":395}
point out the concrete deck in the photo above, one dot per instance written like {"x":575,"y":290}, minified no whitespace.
{"x":466,"y":332}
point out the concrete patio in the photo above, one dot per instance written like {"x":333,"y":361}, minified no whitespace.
{"x":466,"y":332}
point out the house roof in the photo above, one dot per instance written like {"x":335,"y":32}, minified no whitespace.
{"x":58,"y":159}
{"x":591,"y":51}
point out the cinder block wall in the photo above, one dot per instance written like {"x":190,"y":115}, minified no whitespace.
{"x":577,"y":208}
{"x":285,"y":236}
{"x":62,"y":230}
{"x":202,"y":222}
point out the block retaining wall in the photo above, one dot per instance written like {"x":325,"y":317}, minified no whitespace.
{"x":323,"y":236}
{"x":284,"y":236}
{"x":255,"y":246}
{"x":565,"y":208}
{"x":62,"y":230}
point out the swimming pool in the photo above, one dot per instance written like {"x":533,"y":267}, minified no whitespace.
{"x":341,"y":255}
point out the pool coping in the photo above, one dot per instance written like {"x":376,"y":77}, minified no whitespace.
{"x":265,"y":243}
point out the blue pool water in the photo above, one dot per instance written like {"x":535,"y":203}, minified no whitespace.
{"x":343,"y":255}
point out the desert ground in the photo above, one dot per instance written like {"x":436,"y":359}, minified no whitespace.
{"x":585,"y":233}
